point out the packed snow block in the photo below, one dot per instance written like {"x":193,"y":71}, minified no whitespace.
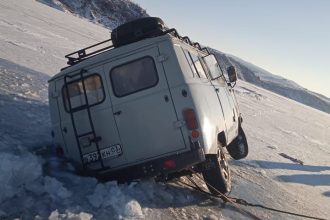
{"x":111,"y":195}
{"x":55,"y":189}
{"x":55,"y":215}
{"x":137,"y":30}
{"x":17,"y":171}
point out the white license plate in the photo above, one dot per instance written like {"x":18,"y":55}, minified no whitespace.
{"x":112,"y":151}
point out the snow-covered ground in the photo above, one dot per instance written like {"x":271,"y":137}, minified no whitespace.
{"x":283,"y":134}
{"x":38,"y":37}
{"x":288,"y":166}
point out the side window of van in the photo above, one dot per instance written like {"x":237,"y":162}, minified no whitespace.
{"x":94,"y":92}
{"x":196,"y":65}
{"x":187,"y":54}
{"x":134,"y":76}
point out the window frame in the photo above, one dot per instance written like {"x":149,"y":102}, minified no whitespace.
{"x":139,"y":90}
{"x":191,"y":64}
{"x":203,"y":65}
{"x":193,"y":67}
{"x":77,"y":80}
{"x":221,"y":76}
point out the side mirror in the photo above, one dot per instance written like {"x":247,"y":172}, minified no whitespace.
{"x":232,"y":75}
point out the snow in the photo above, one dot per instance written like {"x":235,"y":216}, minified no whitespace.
{"x":260,"y":77}
{"x":55,"y":215}
{"x":55,"y":189}
{"x":275,"y":126}
{"x":40,"y":41}
{"x":108,"y":13}
{"x":17,"y":171}
{"x":34,"y":184}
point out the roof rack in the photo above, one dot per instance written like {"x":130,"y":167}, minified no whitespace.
{"x":80,"y":55}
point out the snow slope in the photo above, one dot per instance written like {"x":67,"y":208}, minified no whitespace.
{"x":23,"y":106}
{"x":36,"y":36}
{"x":36,"y":185}
{"x":109,"y":13}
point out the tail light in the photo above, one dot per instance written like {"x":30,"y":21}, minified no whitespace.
{"x":194,"y":134}
{"x":190,"y":118}
{"x":169,"y":164}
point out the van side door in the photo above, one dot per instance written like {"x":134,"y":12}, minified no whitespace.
{"x":225,"y":97}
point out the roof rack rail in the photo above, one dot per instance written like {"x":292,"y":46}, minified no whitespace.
{"x":79,"y":55}
{"x":187,"y":40}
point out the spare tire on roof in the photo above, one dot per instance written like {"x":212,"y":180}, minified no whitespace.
{"x":137,"y":30}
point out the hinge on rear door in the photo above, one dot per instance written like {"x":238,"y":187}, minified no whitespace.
{"x":55,"y":94}
{"x":162,"y":58}
{"x":179,"y":124}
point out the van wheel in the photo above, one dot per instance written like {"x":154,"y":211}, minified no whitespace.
{"x":238,"y":148}
{"x":216,"y":173}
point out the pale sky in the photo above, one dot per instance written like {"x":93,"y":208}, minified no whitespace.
{"x":290,"y":38}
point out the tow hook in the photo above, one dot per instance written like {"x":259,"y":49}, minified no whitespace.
{"x":240,"y":119}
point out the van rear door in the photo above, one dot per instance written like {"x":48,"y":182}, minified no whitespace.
{"x":143,"y":108}
{"x":83,"y":134}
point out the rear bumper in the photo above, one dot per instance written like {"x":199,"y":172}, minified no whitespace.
{"x":154,"y":167}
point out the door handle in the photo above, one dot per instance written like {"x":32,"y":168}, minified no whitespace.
{"x":117,"y":113}
{"x":217,"y":90}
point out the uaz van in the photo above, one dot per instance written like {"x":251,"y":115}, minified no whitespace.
{"x":151,"y":104}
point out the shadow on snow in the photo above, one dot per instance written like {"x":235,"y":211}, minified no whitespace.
{"x":314,"y":178}
{"x":326,"y":193}
{"x":24,"y":113}
{"x":288,"y":166}
{"x":307,"y":179}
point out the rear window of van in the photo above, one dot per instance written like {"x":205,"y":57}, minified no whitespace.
{"x":134,"y":76}
{"x":94,"y":92}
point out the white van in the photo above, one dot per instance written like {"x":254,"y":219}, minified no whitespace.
{"x":152,"y":104}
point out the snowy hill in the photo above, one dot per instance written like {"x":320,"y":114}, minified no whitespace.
{"x":260,"y":77}
{"x":109,"y":13}
{"x":35,"y":185}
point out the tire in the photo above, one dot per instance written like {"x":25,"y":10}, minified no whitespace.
{"x":216,"y":173}
{"x":238,"y":148}
{"x":137,"y":30}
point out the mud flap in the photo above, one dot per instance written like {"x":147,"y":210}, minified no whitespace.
{"x":238,"y":148}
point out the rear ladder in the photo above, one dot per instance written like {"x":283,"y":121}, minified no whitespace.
{"x":86,"y":107}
